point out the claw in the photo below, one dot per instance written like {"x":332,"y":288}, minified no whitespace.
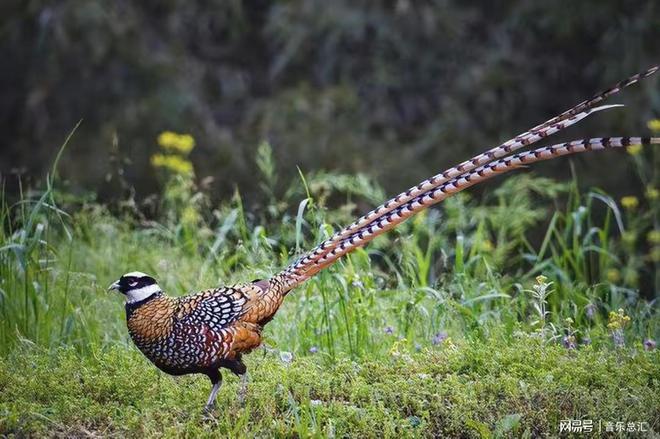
{"x":208,"y":409}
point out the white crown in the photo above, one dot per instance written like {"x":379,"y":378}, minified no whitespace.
{"x":135,"y":274}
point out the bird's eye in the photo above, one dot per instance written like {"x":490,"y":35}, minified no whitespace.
{"x":132,"y":283}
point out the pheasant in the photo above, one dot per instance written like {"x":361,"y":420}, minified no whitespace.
{"x":204,"y":332}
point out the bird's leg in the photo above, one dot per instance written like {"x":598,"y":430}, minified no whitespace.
{"x":216,"y":379}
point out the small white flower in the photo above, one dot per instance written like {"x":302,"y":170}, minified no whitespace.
{"x":358,"y":284}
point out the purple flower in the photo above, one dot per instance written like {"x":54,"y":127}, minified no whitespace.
{"x":389,"y":330}
{"x":313,"y":350}
{"x":590,"y":310}
{"x":439,"y":337}
{"x":568,"y":342}
{"x":618,"y":339}
{"x":649,"y":344}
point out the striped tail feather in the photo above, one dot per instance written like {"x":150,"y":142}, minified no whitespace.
{"x":552,"y":126}
{"x":467,"y":179}
{"x":500,"y":151}
{"x":599,"y":97}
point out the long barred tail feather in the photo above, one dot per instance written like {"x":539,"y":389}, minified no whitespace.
{"x":464,"y":181}
{"x":552,"y":126}
{"x":300,"y":269}
{"x":492,"y":154}
{"x":467,"y":179}
{"x":599,"y":97}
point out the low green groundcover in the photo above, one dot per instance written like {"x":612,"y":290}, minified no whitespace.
{"x":516,"y":387}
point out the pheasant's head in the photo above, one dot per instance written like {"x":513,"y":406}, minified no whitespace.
{"x":136,"y":286}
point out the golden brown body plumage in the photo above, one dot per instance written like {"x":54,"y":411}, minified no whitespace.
{"x":203,"y":330}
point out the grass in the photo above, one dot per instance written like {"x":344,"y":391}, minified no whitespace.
{"x":518,"y":387}
{"x":489,"y":317}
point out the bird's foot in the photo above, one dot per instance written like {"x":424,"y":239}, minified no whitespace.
{"x":208,"y":410}
{"x":210,"y":403}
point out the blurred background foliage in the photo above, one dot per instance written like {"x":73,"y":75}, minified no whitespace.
{"x":222,"y":138}
{"x":398,"y":90}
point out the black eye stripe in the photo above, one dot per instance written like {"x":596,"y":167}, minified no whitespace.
{"x":142,"y":281}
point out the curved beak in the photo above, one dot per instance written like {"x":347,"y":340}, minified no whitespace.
{"x":114,"y":286}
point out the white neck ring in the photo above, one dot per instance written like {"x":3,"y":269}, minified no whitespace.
{"x":139,"y":294}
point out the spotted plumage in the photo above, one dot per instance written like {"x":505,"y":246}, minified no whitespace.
{"x":190,"y":333}
{"x":212,"y":329}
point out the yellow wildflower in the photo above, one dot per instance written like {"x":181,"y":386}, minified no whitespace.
{"x":652,"y":193}
{"x":396,"y":346}
{"x":617,"y":320}
{"x":182,"y":143}
{"x":166,"y":138}
{"x":653,"y":124}
{"x":174,"y":163}
{"x":613,"y":275}
{"x":629,"y":202}
{"x":157,"y":160}
{"x":634,"y":149}
{"x":540,"y":279}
